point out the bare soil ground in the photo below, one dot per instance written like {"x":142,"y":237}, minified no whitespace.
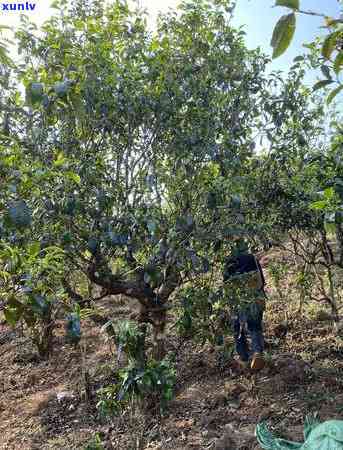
{"x":215,"y":406}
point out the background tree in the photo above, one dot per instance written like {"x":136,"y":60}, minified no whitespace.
{"x":298,"y":200}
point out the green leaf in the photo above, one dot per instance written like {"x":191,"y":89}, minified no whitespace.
{"x":60,"y":160}
{"x":20,"y":214}
{"x":293,"y":4}
{"x":319,"y":205}
{"x":70,"y":205}
{"x":333,"y":94}
{"x":78,"y":105}
{"x":93,"y":245}
{"x":12,"y":316}
{"x":338,"y":63}
{"x":331,"y":21}
{"x":321,"y":84}
{"x":73,"y":177}
{"x":151,"y":225}
{"x":34,"y":93}
{"x":66,"y":238}
{"x":34,"y":248}
{"x":298,"y":58}
{"x":39,"y":305}
{"x":283,"y":34}
{"x":326,"y":72}
{"x":329,"y":193}
{"x":61,"y":88}
{"x":329,"y":45}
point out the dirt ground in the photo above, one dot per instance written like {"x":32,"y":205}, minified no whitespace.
{"x":215,"y":406}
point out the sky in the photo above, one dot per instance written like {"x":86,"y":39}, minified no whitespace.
{"x":257,"y":16}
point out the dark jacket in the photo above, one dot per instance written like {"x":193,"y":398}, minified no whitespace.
{"x":242,"y":264}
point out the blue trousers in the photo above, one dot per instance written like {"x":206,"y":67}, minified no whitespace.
{"x":248,"y":322}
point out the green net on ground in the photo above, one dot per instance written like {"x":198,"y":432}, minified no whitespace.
{"x":317,"y":436}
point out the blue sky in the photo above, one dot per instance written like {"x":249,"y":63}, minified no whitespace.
{"x":258,"y":16}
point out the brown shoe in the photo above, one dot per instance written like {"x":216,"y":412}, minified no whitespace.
{"x":257,"y":362}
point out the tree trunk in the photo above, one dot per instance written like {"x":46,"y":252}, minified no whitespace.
{"x":43,"y":339}
{"x":333,"y":303}
{"x":159,"y":351}
{"x":339,"y":237}
{"x":141,"y":355}
{"x":157,"y":317}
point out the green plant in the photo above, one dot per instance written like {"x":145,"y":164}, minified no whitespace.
{"x":278,"y":272}
{"x":304,"y":283}
{"x":130,"y":338}
{"x":154,"y":382}
{"x":108,"y":404}
{"x":95,"y":443}
{"x":203,"y":314}
{"x":31,"y":288}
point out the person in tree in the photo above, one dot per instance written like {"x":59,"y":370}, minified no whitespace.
{"x":244,"y":284}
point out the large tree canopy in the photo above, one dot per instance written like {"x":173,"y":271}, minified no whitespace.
{"x":132,"y":150}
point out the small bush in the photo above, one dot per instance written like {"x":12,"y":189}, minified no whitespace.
{"x":154,"y":382}
{"x":95,"y":443}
